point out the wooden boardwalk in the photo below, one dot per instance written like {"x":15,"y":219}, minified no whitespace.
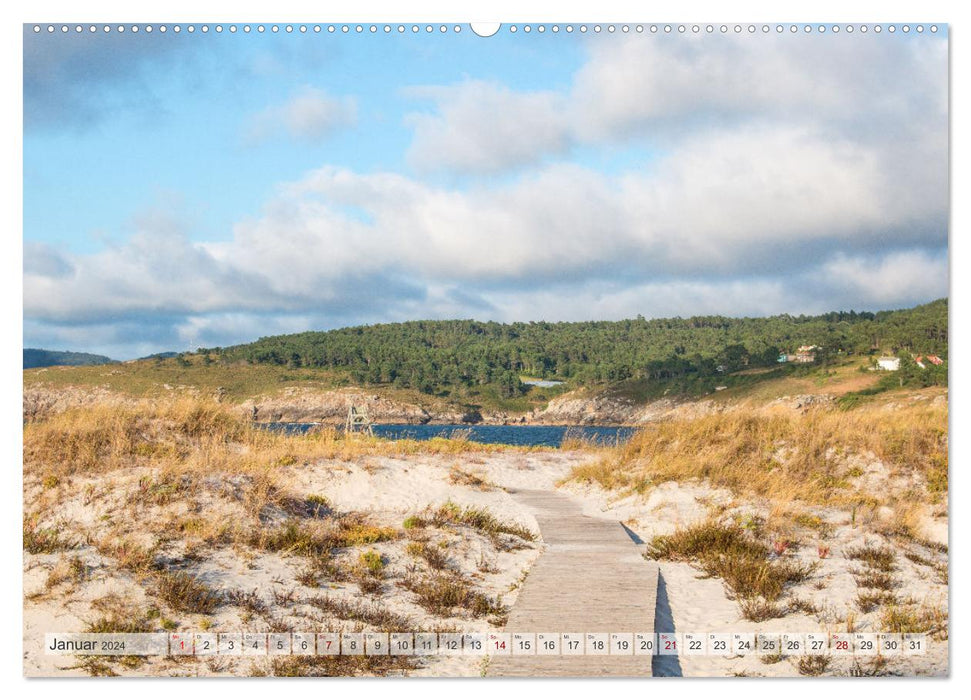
{"x":590,"y":578}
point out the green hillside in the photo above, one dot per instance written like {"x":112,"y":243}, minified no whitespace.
{"x":34,"y":357}
{"x":448,"y":358}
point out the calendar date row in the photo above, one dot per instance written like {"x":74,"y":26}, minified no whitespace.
{"x":487,"y":643}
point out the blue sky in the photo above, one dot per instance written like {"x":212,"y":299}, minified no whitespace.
{"x":206,"y":189}
{"x":174,"y":124}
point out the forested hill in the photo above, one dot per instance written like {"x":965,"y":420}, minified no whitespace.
{"x":34,"y":357}
{"x":430,"y":355}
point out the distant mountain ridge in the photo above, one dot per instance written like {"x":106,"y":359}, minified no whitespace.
{"x":35,"y":357}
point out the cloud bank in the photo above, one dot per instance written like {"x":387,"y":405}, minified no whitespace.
{"x":777,"y":174}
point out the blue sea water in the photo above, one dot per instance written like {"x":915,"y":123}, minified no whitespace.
{"x":523,"y":435}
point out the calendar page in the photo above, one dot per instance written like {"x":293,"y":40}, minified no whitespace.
{"x":436,"y":349}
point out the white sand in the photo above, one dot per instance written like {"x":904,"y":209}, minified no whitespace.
{"x":700,"y":604}
{"x":390,"y":489}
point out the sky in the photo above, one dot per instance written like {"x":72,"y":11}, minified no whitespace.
{"x":205,"y":189}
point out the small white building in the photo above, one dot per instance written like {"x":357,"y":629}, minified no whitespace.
{"x":889,"y":364}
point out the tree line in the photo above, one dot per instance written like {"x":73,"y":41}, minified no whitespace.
{"x":432,"y":356}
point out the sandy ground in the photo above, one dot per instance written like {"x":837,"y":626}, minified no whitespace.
{"x":689,"y":601}
{"x":387,"y":490}
{"x":391,"y":489}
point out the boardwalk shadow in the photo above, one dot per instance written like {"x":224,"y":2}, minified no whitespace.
{"x":664,"y":622}
{"x":633,"y":535}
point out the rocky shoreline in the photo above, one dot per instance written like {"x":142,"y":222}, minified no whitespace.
{"x":297,"y":405}
{"x":330,"y":407}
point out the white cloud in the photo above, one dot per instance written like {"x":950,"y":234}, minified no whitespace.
{"x":893,"y":280}
{"x":749,"y":195}
{"x":890,"y":280}
{"x":841,"y":81}
{"x":604,"y":299}
{"x":729,"y":209}
{"x":312,"y":115}
{"x":792,"y":179}
{"x":42,"y":259}
{"x":485,"y":127}
{"x":880,"y":91}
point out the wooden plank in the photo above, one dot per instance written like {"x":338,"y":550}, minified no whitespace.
{"x":591,"y":577}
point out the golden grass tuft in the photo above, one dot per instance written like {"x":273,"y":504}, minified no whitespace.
{"x":326,"y":666}
{"x":813,"y":665}
{"x":575,"y":440}
{"x":926,"y":619}
{"x":185,"y":435}
{"x":433,"y":556}
{"x":317,"y":538}
{"x":372,"y":562}
{"x":758,"y":609}
{"x":878,"y":580}
{"x":117,"y":615}
{"x":461,"y":477}
{"x":128,"y":554}
{"x":43,"y":540}
{"x":868,"y":601}
{"x":356,"y":531}
{"x":442,"y":594}
{"x":480,"y":519}
{"x":876,"y":558}
{"x":783,"y":455}
{"x":293,"y":537}
{"x":373,"y":615}
{"x":185,"y":593}
{"x":732,"y":554}
{"x":71,"y":570}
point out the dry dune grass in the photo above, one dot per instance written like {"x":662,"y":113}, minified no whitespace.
{"x":189,"y":450}
{"x":344,"y":666}
{"x":929,"y":619}
{"x":442,"y":593}
{"x":740,"y":559}
{"x":477,"y":518}
{"x":813,"y":478}
{"x":782,"y":455}
{"x":194,"y":434}
{"x":166,"y":493}
{"x":189,"y":508}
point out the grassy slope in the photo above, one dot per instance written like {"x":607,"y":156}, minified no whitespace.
{"x":149,"y":377}
{"x":835,"y":380}
{"x":763,"y":384}
{"x":240,"y":381}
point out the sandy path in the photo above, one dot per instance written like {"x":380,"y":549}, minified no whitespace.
{"x":590,"y":578}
